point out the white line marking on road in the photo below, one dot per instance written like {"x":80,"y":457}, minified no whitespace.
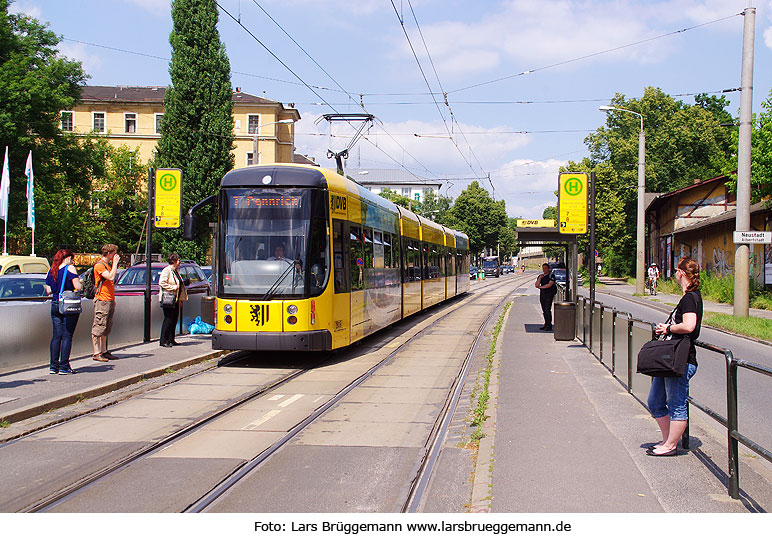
{"x":265,"y":418}
{"x":276,"y":398}
{"x":295,"y":398}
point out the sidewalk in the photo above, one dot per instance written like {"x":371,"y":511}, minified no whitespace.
{"x":28,"y":393}
{"x":569,"y":438}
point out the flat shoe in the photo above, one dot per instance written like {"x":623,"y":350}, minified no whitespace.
{"x":650,"y":452}
{"x":99,"y":358}
{"x":110,"y":356}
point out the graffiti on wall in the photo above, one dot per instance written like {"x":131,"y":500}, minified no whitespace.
{"x":720,"y":264}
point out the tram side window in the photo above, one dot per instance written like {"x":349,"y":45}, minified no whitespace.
{"x":356,"y":252}
{"x":339,"y":244}
{"x":318,"y":260}
{"x":386,"y":250}
{"x":368,"y":248}
{"x":411,"y":265}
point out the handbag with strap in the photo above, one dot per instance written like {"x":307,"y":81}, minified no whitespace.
{"x":168,"y":299}
{"x":665,"y":357}
{"x":69,"y":301}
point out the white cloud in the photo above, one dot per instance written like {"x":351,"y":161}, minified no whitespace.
{"x":768,"y":31}
{"x":156,"y":7}
{"x":27,"y":8}
{"x":78,"y":51}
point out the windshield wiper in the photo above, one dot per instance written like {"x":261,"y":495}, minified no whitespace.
{"x":284,"y":274}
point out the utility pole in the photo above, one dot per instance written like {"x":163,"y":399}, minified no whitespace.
{"x":743,"y":220}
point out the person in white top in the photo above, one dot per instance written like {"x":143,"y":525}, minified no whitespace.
{"x":171,"y":294}
{"x":653,"y":276}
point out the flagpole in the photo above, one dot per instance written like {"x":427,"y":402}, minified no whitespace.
{"x":5,"y":182}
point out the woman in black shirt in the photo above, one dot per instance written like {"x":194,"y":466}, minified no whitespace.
{"x":668,"y":395}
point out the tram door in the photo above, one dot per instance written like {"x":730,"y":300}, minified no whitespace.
{"x":341,"y":307}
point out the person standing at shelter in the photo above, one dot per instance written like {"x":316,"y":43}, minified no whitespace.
{"x":62,"y":276}
{"x":668,"y":395}
{"x":172,"y":293}
{"x":104,"y":302}
{"x":547,"y":290}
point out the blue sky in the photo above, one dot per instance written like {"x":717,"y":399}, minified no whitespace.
{"x":562,"y":58}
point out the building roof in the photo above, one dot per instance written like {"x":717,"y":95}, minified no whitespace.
{"x":722,"y":217}
{"x":661,"y":197}
{"x":155,"y":95}
{"x":297,"y":158}
{"x":376,"y":176}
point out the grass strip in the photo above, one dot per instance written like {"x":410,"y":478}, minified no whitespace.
{"x":478,"y":413}
{"x":756,"y":327}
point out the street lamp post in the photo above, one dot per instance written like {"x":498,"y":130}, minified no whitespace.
{"x":257,"y":133}
{"x":640,"y":266}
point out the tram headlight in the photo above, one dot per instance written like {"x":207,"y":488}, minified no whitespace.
{"x":292,"y":309}
{"x":227,"y":309}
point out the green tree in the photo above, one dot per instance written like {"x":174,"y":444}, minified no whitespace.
{"x":683,"y":143}
{"x":197,"y":127}
{"x":761,"y":154}
{"x":437,"y":208}
{"x":479,"y":216}
{"x":35,"y":85}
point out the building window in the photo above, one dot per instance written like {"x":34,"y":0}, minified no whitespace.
{"x":158,"y":117}
{"x":406,"y":192}
{"x":99,"y":122}
{"x":251,"y":159}
{"x":130,"y":123}
{"x":253,"y":124}
{"x":417,"y":196}
{"x":67,"y":124}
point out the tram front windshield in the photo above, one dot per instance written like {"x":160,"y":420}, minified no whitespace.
{"x":270,"y":248}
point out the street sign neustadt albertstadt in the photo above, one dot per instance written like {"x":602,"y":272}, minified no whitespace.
{"x":168,"y":198}
{"x":752,"y":237}
{"x":572,"y":202}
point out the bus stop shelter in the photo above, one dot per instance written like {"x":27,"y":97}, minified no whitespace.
{"x":551,"y":237}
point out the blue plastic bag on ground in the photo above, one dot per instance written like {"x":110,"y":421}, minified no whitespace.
{"x":199,"y":327}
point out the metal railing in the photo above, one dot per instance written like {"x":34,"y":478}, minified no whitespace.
{"x":603,"y":339}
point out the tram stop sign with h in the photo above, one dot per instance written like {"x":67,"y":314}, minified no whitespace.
{"x":572,"y":203}
{"x":168,"y":198}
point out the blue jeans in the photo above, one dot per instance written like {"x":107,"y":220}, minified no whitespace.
{"x":668,"y":395}
{"x":61,"y":342}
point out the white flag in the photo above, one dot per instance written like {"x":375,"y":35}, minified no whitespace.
{"x":5,"y":189}
{"x":30,"y":193}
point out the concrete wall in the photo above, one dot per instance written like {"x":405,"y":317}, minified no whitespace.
{"x":25,"y":334}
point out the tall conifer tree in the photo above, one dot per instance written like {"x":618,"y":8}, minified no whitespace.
{"x":197,"y":126}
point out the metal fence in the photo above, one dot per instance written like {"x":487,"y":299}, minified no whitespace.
{"x":615,"y":337}
{"x":26,"y":328}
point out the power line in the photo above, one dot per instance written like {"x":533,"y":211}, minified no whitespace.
{"x":584,"y":57}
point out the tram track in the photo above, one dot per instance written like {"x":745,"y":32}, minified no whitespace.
{"x":434,"y":440}
{"x":204,"y":503}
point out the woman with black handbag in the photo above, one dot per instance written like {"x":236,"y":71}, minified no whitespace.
{"x":62,"y":278}
{"x":668,"y":395}
{"x":171,"y":293}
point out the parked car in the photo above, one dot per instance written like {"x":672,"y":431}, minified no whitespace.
{"x":132,"y":282}
{"x":207,"y":271}
{"x":12,"y":264}
{"x":23,"y":285}
{"x":560,"y":275}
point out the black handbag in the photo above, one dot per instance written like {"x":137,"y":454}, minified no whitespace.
{"x":665,"y":357}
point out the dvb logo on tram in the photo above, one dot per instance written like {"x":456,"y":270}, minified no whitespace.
{"x":337,"y":203}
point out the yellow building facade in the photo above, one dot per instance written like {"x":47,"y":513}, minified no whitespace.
{"x":133,"y":116}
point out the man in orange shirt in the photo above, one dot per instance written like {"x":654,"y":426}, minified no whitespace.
{"x":104,"y":302}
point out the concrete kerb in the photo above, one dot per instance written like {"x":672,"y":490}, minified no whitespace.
{"x":93,"y":392}
{"x":483,"y":473}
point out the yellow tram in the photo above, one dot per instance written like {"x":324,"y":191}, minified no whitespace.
{"x":309,"y":260}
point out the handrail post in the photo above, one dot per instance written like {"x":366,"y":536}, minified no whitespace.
{"x":685,"y":435}
{"x":731,"y":425}
{"x":613,"y":342}
{"x":600,"y":333}
{"x":630,"y":353}
{"x":592,"y":318}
